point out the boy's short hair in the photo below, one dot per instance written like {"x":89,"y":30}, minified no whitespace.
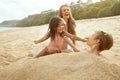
{"x":106,"y":40}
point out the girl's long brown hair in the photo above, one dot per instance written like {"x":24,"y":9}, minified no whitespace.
{"x":71,"y":22}
{"x":53,"y":25}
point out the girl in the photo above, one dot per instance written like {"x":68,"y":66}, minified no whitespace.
{"x":65,"y":13}
{"x":56,"y":27}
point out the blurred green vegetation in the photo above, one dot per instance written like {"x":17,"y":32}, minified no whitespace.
{"x":104,"y":8}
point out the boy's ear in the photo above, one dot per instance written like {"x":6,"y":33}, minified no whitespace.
{"x":97,"y":41}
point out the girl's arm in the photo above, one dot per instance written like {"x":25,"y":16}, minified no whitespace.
{"x":74,"y":37}
{"x":71,"y":44}
{"x":43,"y":38}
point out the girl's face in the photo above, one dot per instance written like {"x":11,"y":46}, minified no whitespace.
{"x":65,"y":12}
{"x":60,"y":27}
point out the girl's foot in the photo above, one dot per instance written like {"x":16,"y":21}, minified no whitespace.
{"x":30,"y":55}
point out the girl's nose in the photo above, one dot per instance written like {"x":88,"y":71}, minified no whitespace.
{"x":62,"y":26}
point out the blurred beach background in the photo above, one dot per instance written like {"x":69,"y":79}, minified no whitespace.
{"x":16,"y":43}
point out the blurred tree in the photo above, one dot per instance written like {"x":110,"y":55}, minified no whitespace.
{"x":103,"y":8}
{"x":105,"y":12}
{"x":116,"y":8}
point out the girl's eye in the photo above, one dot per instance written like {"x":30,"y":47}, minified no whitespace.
{"x":67,"y":9}
{"x":63,"y":24}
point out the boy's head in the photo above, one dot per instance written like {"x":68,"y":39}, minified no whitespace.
{"x":102,"y":39}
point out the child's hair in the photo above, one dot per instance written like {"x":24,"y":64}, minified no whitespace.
{"x":106,"y":40}
{"x":53,"y":25}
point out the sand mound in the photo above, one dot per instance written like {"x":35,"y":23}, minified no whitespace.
{"x":79,"y":66}
{"x":16,"y":44}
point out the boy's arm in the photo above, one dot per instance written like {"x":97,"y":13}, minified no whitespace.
{"x":43,"y":38}
{"x":74,"y":37}
{"x":71,"y":44}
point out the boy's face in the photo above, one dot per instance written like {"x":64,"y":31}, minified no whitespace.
{"x":60,"y":27}
{"x":92,"y":40}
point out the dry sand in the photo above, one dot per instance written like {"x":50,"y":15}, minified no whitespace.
{"x":16,"y":44}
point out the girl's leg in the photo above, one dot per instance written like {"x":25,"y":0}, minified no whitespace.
{"x":66,"y":50}
{"x":47,"y":51}
{"x":42,"y":53}
{"x":52,"y":50}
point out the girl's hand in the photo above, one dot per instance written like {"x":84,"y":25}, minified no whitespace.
{"x":35,"y":41}
{"x":76,"y":50}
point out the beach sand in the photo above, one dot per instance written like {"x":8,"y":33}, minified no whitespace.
{"x":16,"y":44}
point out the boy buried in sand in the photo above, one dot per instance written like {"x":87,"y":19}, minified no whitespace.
{"x":98,"y":42}
{"x":56,"y":27}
